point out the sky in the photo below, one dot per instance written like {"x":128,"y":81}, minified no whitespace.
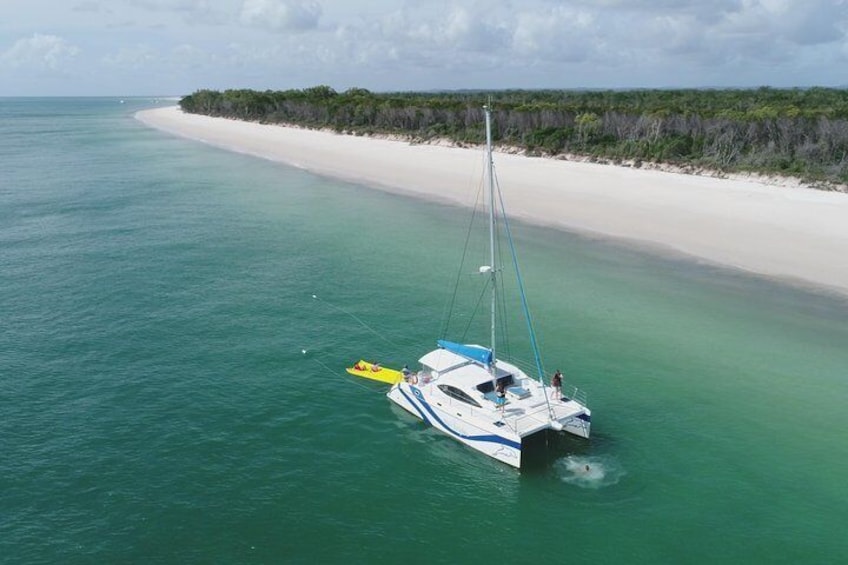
{"x":175,"y":47}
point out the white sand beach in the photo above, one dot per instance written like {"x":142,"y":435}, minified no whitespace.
{"x":796,"y":234}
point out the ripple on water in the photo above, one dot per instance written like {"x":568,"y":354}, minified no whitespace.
{"x":589,"y":472}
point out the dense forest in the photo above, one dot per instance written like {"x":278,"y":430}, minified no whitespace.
{"x":793,"y":132}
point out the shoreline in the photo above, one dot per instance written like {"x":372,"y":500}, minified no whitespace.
{"x":795,"y":234}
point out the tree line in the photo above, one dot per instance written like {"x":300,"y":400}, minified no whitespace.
{"x":793,"y":132}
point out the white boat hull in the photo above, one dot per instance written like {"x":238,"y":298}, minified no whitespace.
{"x":454,"y":421}
{"x":577,"y":426}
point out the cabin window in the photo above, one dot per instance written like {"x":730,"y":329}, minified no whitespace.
{"x":487,"y":386}
{"x":458,"y":394}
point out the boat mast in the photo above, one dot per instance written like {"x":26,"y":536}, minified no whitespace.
{"x":493,"y":272}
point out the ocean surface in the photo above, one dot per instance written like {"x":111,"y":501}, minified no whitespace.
{"x":174,"y":325}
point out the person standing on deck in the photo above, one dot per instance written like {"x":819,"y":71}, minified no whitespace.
{"x":556,"y":383}
{"x":500,"y":397}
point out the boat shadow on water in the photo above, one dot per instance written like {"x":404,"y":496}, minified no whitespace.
{"x":542,"y":450}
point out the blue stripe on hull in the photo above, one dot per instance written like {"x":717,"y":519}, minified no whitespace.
{"x":488,"y":438}
{"x":417,"y":408}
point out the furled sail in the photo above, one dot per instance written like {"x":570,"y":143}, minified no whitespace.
{"x":473,"y":352}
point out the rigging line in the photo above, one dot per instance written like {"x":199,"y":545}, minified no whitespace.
{"x":476,"y":308}
{"x":524,"y":305}
{"x":504,"y":326}
{"x":452,"y":301}
{"x":366,"y":326}
{"x":502,"y":318}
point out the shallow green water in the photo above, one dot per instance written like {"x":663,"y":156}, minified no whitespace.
{"x":157,"y":406}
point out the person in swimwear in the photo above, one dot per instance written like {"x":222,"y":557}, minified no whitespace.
{"x":500,"y":397}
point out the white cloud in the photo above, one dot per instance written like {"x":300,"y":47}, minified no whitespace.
{"x":455,"y":28}
{"x":562,"y":34}
{"x":87,"y":6}
{"x":134,"y":57}
{"x":280,"y":15}
{"x":422,"y":35}
{"x":408,"y":44}
{"x":799,"y":23}
{"x":164,"y":12}
{"x":173,"y":5}
{"x":39,"y":51}
{"x":189,"y":56}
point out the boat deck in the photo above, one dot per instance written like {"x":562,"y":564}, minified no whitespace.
{"x":530,"y":414}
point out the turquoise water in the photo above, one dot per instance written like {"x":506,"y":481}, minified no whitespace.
{"x":157,"y":404}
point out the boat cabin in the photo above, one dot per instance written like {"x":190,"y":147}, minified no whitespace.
{"x":468,"y":381}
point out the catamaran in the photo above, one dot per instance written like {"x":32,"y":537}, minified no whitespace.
{"x":489,"y":404}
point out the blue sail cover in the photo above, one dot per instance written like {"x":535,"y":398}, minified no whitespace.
{"x":473,"y":352}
